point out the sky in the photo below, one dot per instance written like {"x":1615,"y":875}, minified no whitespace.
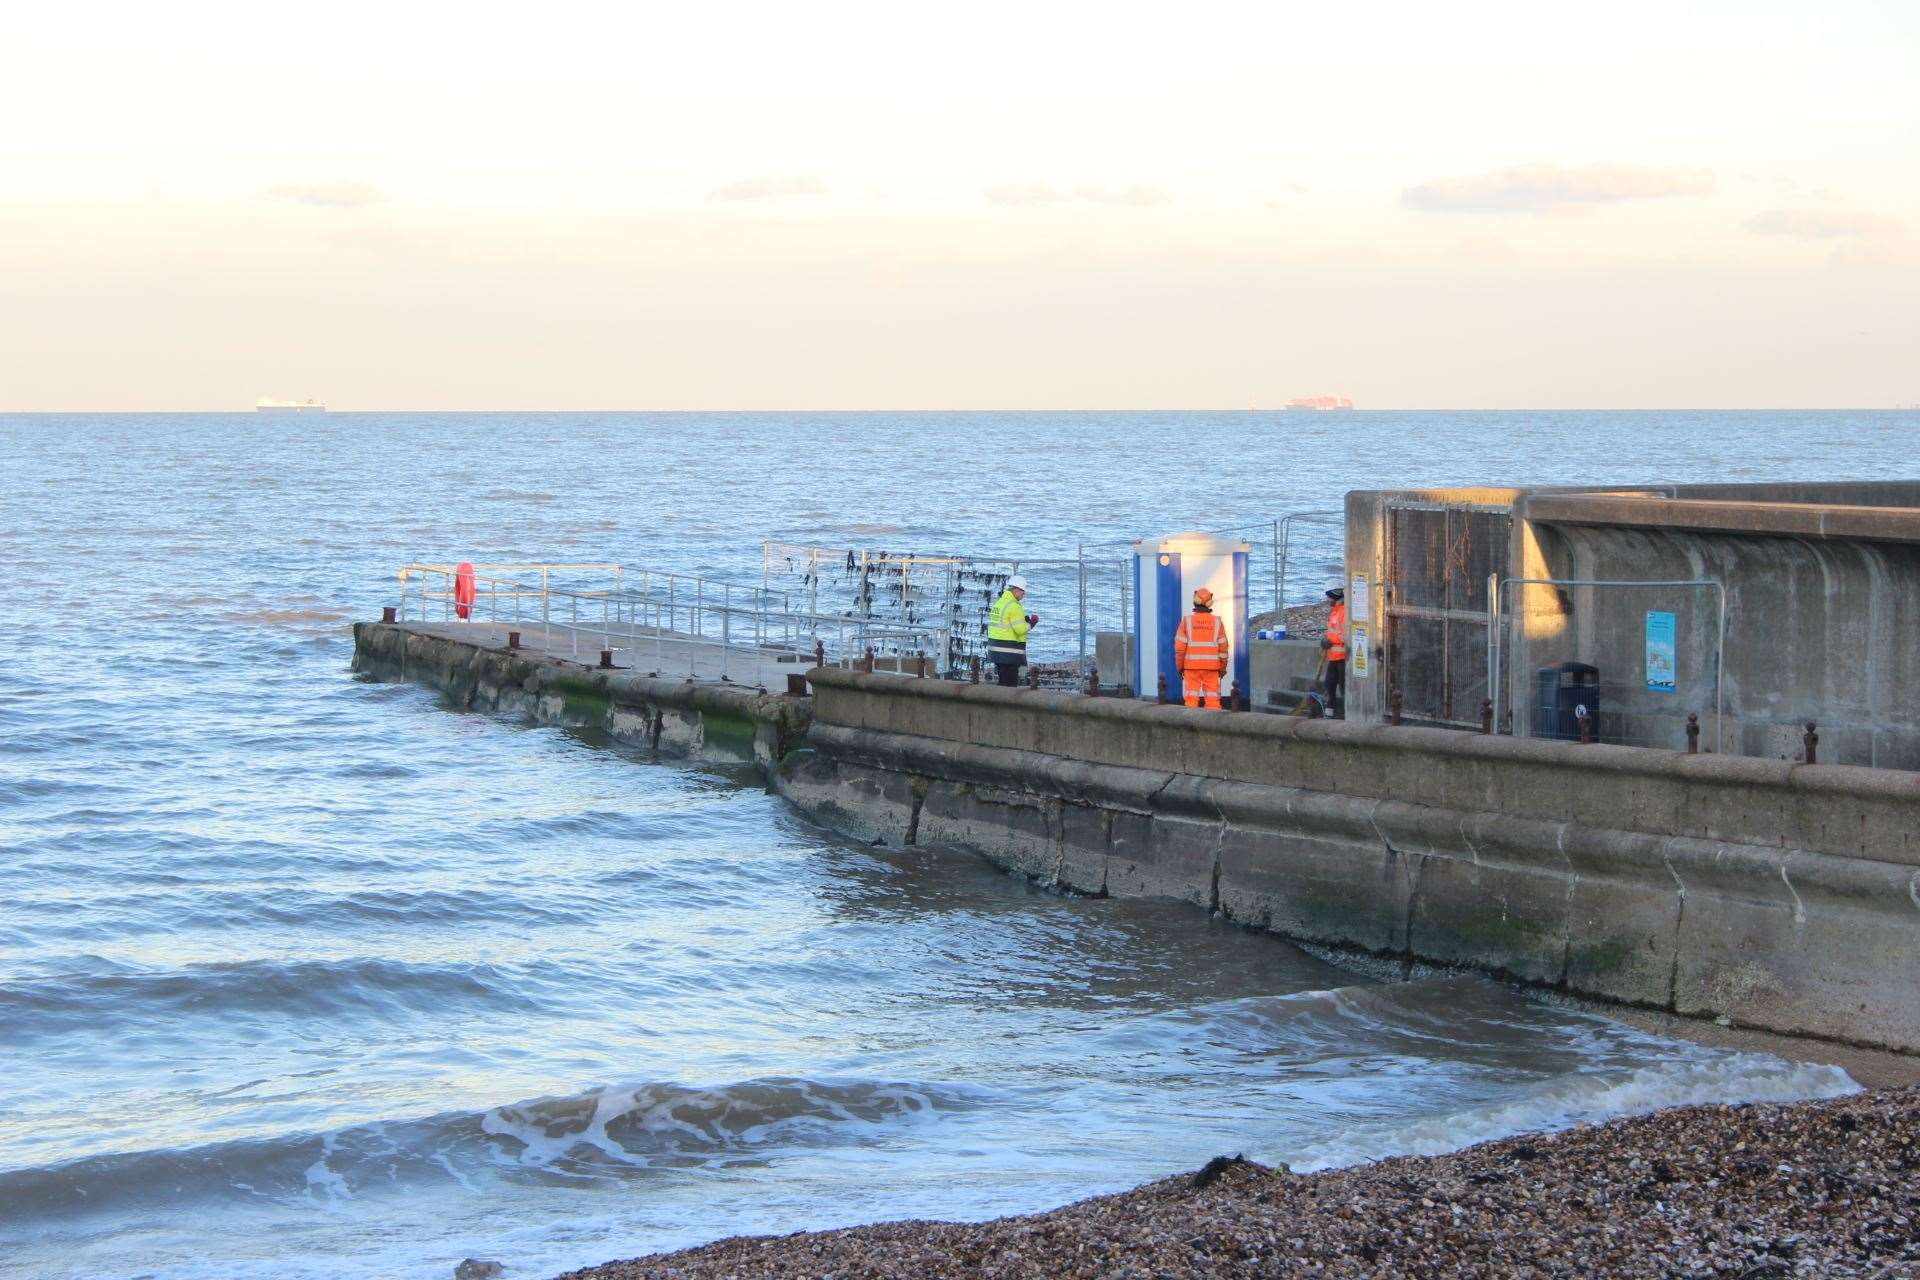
{"x":1041,"y":205}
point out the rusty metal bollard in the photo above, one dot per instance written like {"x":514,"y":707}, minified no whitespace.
{"x":819,"y":653}
{"x":1393,"y":707}
{"x":973,"y":669}
{"x":1033,"y":676}
{"x":1693,"y":733}
{"x":1239,"y":700}
{"x":1093,"y":682}
{"x":389,"y":614}
{"x":866,"y":661}
{"x":513,"y":639}
{"x":1163,"y":689}
{"x":919,"y":665}
{"x":1486,"y":715}
{"x":1812,"y":740}
{"x":796,"y":685}
{"x":606,"y":659}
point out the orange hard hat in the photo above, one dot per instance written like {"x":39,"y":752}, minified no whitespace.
{"x":1203,"y":596}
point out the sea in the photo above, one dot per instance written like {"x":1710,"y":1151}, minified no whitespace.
{"x":304,"y":975}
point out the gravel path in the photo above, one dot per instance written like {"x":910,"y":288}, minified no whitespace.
{"x":1763,"y":1192}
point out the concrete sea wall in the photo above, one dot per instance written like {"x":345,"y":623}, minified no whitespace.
{"x":703,"y":721}
{"x":1764,"y":893}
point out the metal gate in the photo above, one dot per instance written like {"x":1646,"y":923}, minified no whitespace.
{"x":1438,"y":561}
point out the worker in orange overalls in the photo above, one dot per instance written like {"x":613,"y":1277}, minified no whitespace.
{"x":1200,"y":652}
{"x":1335,"y":644}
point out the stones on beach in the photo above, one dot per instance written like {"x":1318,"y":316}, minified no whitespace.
{"x":1817,"y":1189}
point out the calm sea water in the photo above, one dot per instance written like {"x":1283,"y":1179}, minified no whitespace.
{"x":302,"y":975}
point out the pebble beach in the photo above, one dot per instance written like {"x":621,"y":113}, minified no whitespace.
{"x":1813,"y":1189}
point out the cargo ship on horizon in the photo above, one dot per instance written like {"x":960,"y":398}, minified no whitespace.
{"x":267,"y":404}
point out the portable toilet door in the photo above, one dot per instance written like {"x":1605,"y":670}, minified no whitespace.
{"x":1166,"y":573}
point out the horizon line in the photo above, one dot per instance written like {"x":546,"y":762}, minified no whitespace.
{"x":329,"y":409}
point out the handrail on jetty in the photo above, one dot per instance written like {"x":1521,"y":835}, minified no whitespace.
{"x":636,"y":610}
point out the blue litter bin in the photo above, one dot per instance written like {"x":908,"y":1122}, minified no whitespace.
{"x":1561,"y":692}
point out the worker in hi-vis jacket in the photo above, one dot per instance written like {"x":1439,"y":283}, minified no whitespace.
{"x":1007,"y":628}
{"x":1335,"y":645}
{"x":1200,"y":652}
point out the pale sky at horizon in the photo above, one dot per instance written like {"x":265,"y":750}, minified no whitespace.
{"x":872,"y":205}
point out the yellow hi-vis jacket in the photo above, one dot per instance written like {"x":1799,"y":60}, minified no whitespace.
{"x":1007,"y":629}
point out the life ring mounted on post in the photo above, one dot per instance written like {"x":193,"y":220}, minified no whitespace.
{"x":463,"y":590}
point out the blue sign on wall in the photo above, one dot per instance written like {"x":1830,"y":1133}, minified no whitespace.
{"x":1661,"y":664}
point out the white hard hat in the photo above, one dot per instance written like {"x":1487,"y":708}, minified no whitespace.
{"x":1016,"y":582}
{"x":1336,"y":584}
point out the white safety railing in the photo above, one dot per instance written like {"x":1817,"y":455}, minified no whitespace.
{"x":692,"y":624}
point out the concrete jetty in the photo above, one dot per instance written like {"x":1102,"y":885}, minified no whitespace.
{"x":1760,"y":893}
{"x":668,"y":710}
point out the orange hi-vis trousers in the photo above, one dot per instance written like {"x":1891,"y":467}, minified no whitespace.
{"x":1202,"y":688}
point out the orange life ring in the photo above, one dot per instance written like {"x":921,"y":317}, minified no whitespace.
{"x":463,"y":589}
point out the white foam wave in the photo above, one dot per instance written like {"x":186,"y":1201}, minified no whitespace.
{"x":637,"y":1125}
{"x":1582,"y":1099}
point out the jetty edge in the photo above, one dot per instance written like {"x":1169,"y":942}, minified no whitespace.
{"x":699,"y":719}
{"x":1764,"y":894}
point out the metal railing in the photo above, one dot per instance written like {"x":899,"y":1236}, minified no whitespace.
{"x":684,"y":620}
{"x":1283,"y":543}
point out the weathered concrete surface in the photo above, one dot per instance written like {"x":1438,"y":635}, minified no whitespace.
{"x":651,"y":651}
{"x":1288,"y":667}
{"x":705,"y":720}
{"x":1777,"y":896}
{"x":1113,"y":655}
{"x":1822,"y":587}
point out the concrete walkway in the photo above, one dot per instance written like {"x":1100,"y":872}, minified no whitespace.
{"x":641,"y":649}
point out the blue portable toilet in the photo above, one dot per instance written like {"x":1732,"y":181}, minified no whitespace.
{"x":1166,"y":573}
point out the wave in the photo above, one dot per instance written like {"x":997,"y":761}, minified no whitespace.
{"x":1449,"y":1012}
{"x":1584,"y":1098}
{"x":96,"y":1003}
{"x":608,"y":1133}
{"x":298,"y":619}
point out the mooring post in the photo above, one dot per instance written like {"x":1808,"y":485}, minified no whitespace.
{"x":1163,"y":688}
{"x":1486,"y":715}
{"x":819,"y":652}
{"x":389,"y":614}
{"x":606,"y":659}
{"x":866,"y":661}
{"x":796,"y":685}
{"x":513,"y":639}
{"x":1033,"y":676}
{"x":1394,"y":701}
{"x":1693,"y":733}
{"x":1813,"y":742}
{"x":919,"y":665}
{"x":973,"y":669}
{"x":1239,"y":702}
{"x":1093,"y":682}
